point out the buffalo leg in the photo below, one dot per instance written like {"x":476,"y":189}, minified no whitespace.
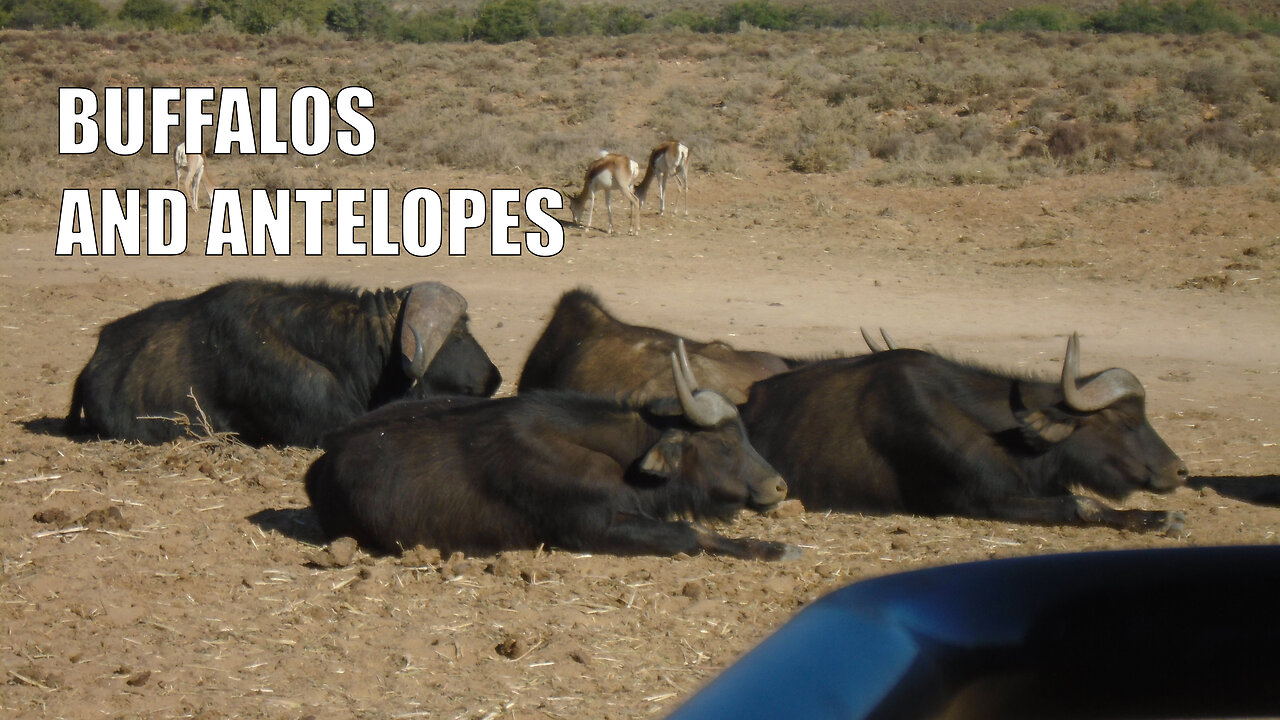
{"x":985,"y":474}
{"x":633,"y":535}
{"x":1075,"y":510}
{"x":1092,"y":511}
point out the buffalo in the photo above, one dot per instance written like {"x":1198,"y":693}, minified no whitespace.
{"x":910,"y":431}
{"x":276,"y":363}
{"x":584,"y":348}
{"x":546,"y":468}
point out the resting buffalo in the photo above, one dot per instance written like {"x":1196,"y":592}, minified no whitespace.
{"x":909,"y":431}
{"x":274,"y":362}
{"x":554,"y":468}
{"x":586,"y":349}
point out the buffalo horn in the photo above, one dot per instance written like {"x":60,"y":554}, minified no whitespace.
{"x":874,"y":344}
{"x":703,"y":408}
{"x":431,"y":309}
{"x":1109,"y":387}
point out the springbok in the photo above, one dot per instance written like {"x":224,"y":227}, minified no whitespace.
{"x":670,"y":159}
{"x":191,"y":175}
{"x":609,"y":172}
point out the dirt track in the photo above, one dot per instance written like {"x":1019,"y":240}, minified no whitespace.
{"x":206,"y":597}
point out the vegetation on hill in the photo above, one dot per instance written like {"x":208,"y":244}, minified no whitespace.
{"x":926,"y":107}
{"x":501,"y":21}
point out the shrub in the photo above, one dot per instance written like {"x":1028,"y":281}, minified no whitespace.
{"x":54,"y":13}
{"x":689,"y":20}
{"x":1103,"y":106}
{"x":1067,"y":139}
{"x":261,"y":16}
{"x":894,"y":146}
{"x":1267,"y":78}
{"x":1269,"y":24}
{"x":1204,"y":165}
{"x":502,"y":21}
{"x":1217,"y":82}
{"x":440,"y":26}
{"x":1140,"y":16}
{"x":715,"y":159}
{"x":1035,"y":17}
{"x":876,"y":17}
{"x":1200,"y":16}
{"x":572,"y":21}
{"x":1195,"y":16}
{"x":148,"y":13}
{"x":1223,"y":135}
{"x":818,"y":142}
{"x":1264,"y":150}
{"x":622,"y":21}
{"x":360,"y":18}
{"x":756,"y":13}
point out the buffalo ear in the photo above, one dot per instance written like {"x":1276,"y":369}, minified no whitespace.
{"x":428,"y":314}
{"x":1040,"y":429}
{"x":663,"y":459}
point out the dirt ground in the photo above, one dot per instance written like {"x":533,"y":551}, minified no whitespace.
{"x":184,"y":580}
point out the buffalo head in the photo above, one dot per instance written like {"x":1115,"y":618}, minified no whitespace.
{"x":438,"y":352}
{"x":1101,"y":429}
{"x":712,"y":452}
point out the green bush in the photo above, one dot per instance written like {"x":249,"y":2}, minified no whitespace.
{"x":259,"y":17}
{"x":439,"y":26}
{"x":361,"y":18}
{"x":1193,"y":17}
{"x":689,"y":20}
{"x":1036,"y":17}
{"x":1269,"y":24}
{"x":877,"y":17}
{"x":52,"y":13}
{"x":622,"y":21}
{"x":756,"y":13}
{"x":148,"y":13}
{"x":574,"y":21}
{"x":1200,"y":16}
{"x":1139,"y":17}
{"x":502,"y":21}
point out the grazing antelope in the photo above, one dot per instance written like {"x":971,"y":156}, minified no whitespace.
{"x":609,"y":172}
{"x":191,"y":175}
{"x":670,"y":159}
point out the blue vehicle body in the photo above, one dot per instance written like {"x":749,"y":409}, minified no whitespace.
{"x":1169,"y":633}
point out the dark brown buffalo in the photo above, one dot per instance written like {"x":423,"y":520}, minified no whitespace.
{"x":547,"y":468}
{"x":586,"y":349}
{"x":909,"y":431}
{"x":274,"y":362}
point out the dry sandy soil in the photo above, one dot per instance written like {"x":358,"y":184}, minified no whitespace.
{"x":184,"y":580}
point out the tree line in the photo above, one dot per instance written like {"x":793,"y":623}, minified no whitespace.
{"x":500,"y":21}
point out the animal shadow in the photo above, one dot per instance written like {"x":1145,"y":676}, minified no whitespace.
{"x":295,"y":523}
{"x":1259,"y":489}
{"x":53,"y":427}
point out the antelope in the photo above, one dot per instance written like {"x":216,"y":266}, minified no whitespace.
{"x":609,"y":172}
{"x":670,"y":159}
{"x":191,"y":175}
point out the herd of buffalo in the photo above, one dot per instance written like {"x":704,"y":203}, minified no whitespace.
{"x":617,"y":432}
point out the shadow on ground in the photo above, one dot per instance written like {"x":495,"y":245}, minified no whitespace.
{"x":1259,"y":490}
{"x":53,"y":427}
{"x":296,"y":523}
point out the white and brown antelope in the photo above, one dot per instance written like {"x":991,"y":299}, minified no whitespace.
{"x":670,"y":159}
{"x":609,"y":172}
{"x":191,"y":175}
